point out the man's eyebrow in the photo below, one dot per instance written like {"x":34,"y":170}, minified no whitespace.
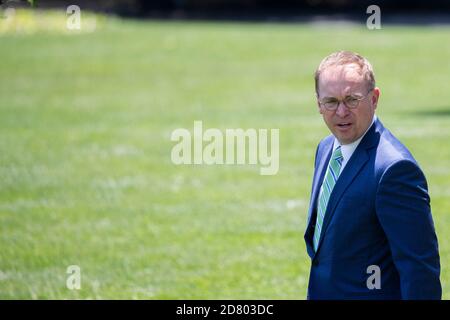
{"x":328,"y":98}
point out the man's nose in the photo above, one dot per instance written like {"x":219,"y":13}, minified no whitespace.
{"x":342,"y":110}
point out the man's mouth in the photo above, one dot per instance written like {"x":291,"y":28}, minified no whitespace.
{"x":344,"y":125}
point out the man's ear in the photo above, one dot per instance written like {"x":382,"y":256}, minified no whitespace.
{"x":375,"y":97}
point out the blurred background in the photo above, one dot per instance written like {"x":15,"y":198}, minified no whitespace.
{"x":86,"y":116}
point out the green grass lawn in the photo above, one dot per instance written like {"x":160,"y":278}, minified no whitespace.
{"x":85,"y":171}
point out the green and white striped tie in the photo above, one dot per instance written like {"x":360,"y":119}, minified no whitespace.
{"x":331,"y":176}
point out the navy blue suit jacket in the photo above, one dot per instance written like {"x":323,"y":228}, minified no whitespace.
{"x":379,"y":215}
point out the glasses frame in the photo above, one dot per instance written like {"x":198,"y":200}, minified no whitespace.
{"x":359,"y":99}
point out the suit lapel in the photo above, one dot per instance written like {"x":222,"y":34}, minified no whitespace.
{"x":318,"y":178}
{"x":321,"y":169}
{"x":351,"y":170}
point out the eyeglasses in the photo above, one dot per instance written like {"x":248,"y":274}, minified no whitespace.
{"x":350,"y":102}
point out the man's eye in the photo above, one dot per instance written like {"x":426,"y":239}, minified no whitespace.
{"x":351,"y":99}
{"x":330,"y":101}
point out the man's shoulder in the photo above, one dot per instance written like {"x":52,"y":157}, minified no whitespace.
{"x":390,"y":151}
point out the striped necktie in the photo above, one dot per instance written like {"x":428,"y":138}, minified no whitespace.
{"x":331,"y":176}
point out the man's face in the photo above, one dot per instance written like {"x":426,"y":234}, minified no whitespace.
{"x":340,"y":82}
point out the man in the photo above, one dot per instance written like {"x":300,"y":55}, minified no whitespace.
{"x":370,"y":233}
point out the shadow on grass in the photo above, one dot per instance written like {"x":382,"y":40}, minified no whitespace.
{"x":441,"y":112}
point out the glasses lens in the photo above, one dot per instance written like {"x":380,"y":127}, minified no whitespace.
{"x":330,"y":104}
{"x":352,"y":102}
